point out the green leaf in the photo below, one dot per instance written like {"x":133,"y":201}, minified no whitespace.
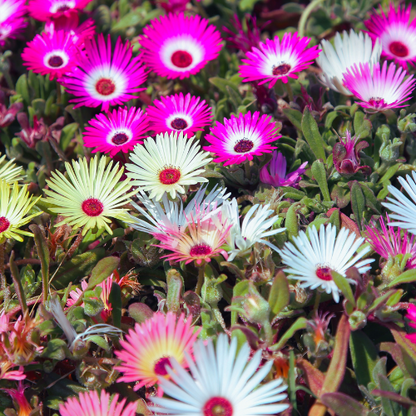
{"x":343,"y":286}
{"x":386,"y":391}
{"x":279,"y":296}
{"x":102,"y":270}
{"x":294,"y":116}
{"x":344,"y":405}
{"x":22,"y":88}
{"x":175,"y":288}
{"x":357,"y":202}
{"x":299,"y":324}
{"x":364,"y":357}
{"x":362,"y":127}
{"x":319,"y":174}
{"x":101,"y":342}
{"x":140,"y":312}
{"x":222,"y":84}
{"x":68,"y":133}
{"x":408,"y":276}
{"x":55,"y":349}
{"x":93,"y":305}
{"x":312,"y":135}
{"x":291,"y":222}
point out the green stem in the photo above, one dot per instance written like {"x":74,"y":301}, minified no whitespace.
{"x":201,"y":279}
{"x":305,"y":16}
{"x":4,"y":287}
{"x":289,"y":91}
{"x":247,"y":169}
{"x":58,"y":93}
{"x":317,"y":301}
{"x":18,"y":288}
{"x":268,"y":332}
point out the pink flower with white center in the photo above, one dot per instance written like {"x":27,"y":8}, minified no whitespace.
{"x":51,"y":53}
{"x":92,"y":404}
{"x":179,"y":113}
{"x":45,"y":10}
{"x":275,"y":59}
{"x":379,"y":89}
{"x":274,"y":173}
{"x":411,"y":316}
{"x":396,"y":32}
{"x":116,"y":131}
{"x":241,"y":138}
{"x":389,"y":243}
{"x":177,"y":46}
{"x":105,"y":77}
{"x":12,"y":19}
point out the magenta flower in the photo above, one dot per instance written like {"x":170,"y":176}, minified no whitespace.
{"x":389,"y":243}
{"x":90,"y":404}
{"x":274,"y":172}
{"x":44,"y":10}
{"x":177,"y":46}
{"x":241,"y":138}
{"x":346,"y":155}
{"x":116,"y":131}
{"x":7,"y":115}
{"x":180,"y":113}
{"x":397,"y":35}
{"x":171,"y":6}
{"x":278,"y":59}
{"x":411,"y":316}
{"x":12,"y":19}
{"x":51,"y":53}
{"x":104,"y":77}
{"x":381,"y":88}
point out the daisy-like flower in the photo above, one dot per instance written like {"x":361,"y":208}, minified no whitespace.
{"x":411,"y":316}
{"x":116,"y":131}
{"x":274,"y":172}
{"x":402,"y":208}
{"x":396,"y":33}
{"x":202,"y":241}
{"x":278,"y":59}
{"x":379,"y":88}
{"x":241,"y":138}
{"x":45,"y":10}
{"x":177,"y":46}
{"x":14,"y":209}
{"x":167,"y":164}
{"x":104,"y":77}
{"x":92,"y":404}
{"x":179,"y":113}
{"x":151,"y":347}
{"x":12,"y":19}
{"x":51,"y":53}
{"x":312,"y":260}
{"x":223,"y":382}
{"x":348,"y":50}
{"x":91,"y":195}
{"x":9,"y":171}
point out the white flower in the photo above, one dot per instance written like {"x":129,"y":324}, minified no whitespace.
{"x":252,"y":230}
{"x":352,"y":49}
{"x":402,"y":208}
{"x":222,"y":382}
{"x":167,"y":164}
{"x":312,"y":260}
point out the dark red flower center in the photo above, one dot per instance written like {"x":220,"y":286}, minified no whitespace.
{"x":377,"y":102}
{"x":200,"y":250}
{"x":4,"y":224}
{"x":179,"y":124}
{"x":169,"y":176}
{"x":63,"y":8}
{"x":324,"y":273}
{"x":218,"y":406}
{"x":399,"y":49}
{"x":243,"y":146}
{"x":120,"y":138}
{"x":181,"y":59}
{"x":105,"y":86}
{"x":160,"y":366}
{"x":55,"y":61}
{"x":281,"y":69}
{"x":93,"y":207}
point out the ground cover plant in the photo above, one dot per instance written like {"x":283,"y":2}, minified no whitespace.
{"x":207,"y":208}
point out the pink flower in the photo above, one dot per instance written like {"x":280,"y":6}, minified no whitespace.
{"x":241,"y":138}
{"x":5,"y":374}
{"x":274,"y":172}
{"x":381,"y":88}
{"x":92,"y":404}
{"x":346,"y":155}
{"x":173,"y":5}
{"x":278,"y":59}
{"x":150,"y":346}
{"x":104,"y":77}
{"x":7,"y":115}
{"x":396,"y":33}
{"x":389,"y":243}
{"x":178,"y":113}
{"x":18,"y":396}
{"x":44,"y":10}
{"x":177,"y":46}
{"x":51,"y":53}
{"x":12,"y":19}
{"x":116,"y":131}
{"x":411,"y":316}
{"x":31,"y":135}
{"x":74,"y":295}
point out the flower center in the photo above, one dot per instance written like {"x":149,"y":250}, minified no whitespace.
{"x":324,"y":273}
{"x":105,"y":86}
{"x":55,"y":61}
{"x":181,"y":59}
{"x":399,"y":49}
{"x":169,"y":176}
{"x":218,"y":406}
{"x":377,"y":102}
{"x":93,"y":207}
{"x":4,"y":224}
{"x":282,"y":69}
{"x":200,"y":250}
{"x":160,"y":366}
{"x":63,"y":8}
{"x":179,"y":124}
{"x":243,"y":146}
{"x":120,"y":138}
